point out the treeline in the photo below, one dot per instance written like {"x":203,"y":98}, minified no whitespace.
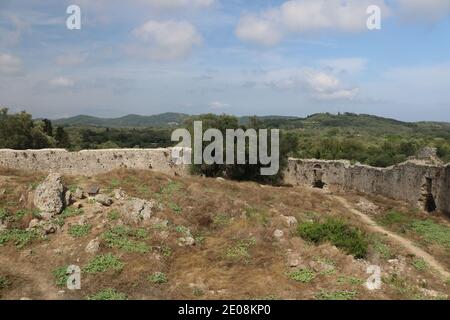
{"x":108,"y":138}
{"x":19,"y":131}
{"x":375,"y":150}
{"x":360,"y":138}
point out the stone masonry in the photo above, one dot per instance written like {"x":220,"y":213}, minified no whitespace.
{"x":421,"y":183}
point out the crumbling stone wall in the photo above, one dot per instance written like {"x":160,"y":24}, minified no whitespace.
{"x":415,"y":182}
{"x":418,"y":182}
{"x":91,"y":162}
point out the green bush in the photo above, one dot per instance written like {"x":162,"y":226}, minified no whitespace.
{"x":432,"y":232}
{"x":4,"y":214}
{"x":61,"y":276}
{"x":20,"y":238}
{"x":347,"y":238}
{"x":420,"y":264}
{"x":336,"y":295}
{"x":158,"y":278}
{"x":126,"y":239}
{"x":103,"y":263}
{"x":4,"y":283}
{"x":79,"y":231}
{"x":108,"y":294}
{"x":302,"y":275}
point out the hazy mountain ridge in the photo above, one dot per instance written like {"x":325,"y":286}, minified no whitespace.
{"x":314,"y":121}
{"x":131,"y":120}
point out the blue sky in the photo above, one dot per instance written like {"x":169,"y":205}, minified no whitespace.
{"x":263,"y":57}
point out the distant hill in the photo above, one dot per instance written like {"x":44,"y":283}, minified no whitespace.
{"x":351,"y":121}
{"x":131,"y":120}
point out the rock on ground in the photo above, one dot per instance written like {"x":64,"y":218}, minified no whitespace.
{"x":138,"y":210}
{"x":49,"y":196}
{"x":186,"y":241}
{"x":104,"y":200}
{"x":290,"y":221}
{"x":93,"y":246}
{"x":79,"y":194}
{"x":3,"y":226}
{"x":278,"y":235}
{"x":119,"y":194}
{"x":294,"y":259}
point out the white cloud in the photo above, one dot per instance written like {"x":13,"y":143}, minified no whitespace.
{"x":317,"y":84}
{"x":305,"y":16}
{"x":218,"y":105}
{"x":327,"y":87}
{"x":9,"y":64}
{"x":61,"y":82}
{"x":424,"y":10}
{"x":263,"y":29}
{"x":168,"y":40}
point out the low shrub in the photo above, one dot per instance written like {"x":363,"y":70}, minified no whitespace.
{"x":302,"y":275}
{"x":343,"y":236}
{"x":158,"y":278}
{"x":103,"y":263}
{"x":108,"y":294}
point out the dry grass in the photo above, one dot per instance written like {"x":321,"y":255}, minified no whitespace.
{"x":236,"y":256}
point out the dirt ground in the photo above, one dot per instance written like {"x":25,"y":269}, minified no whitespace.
{"x":235,"y":256}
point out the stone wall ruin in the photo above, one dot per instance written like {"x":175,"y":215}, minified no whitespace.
{"x":421,"y":184}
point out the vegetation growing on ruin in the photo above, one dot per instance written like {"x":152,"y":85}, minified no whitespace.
{"x":158,"y":278}
{"x":343,"y":236}
{"x":236,"y":254}
{"x":336,"y":295}
{"x":61,"y":276}
{"x":20,"y":238}
{"x":126,"y":239}
{"x":302,"y":275}
{"x":104,"y":263}
{"x":80,"y":230}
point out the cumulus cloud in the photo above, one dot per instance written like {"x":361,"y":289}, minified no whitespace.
{"x":168,"y":40}
{"x":260,"y":29}
{"x":428,"y":11}
{"x":324,"y":86}
{"x":317,"y":84}
{"x":304,"y":16}
{"x":61,"y":82}
{"x":9,"y":64}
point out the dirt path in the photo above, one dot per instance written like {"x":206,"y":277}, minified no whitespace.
{"x":407,"y":244}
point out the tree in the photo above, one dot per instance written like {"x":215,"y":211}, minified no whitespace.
{"x":62,"y":138}
{"x":19,"y":131}
{"x":247,"y":171}
{"x":48,"y":127}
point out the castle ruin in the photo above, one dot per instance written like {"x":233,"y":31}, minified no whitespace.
{"x":420,"y":183}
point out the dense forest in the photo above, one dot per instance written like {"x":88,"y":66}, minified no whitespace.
{"x":360,"y":138}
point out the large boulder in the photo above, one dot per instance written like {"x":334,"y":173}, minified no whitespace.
{"x":138,"y":210}
{"x":49,"y":196}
